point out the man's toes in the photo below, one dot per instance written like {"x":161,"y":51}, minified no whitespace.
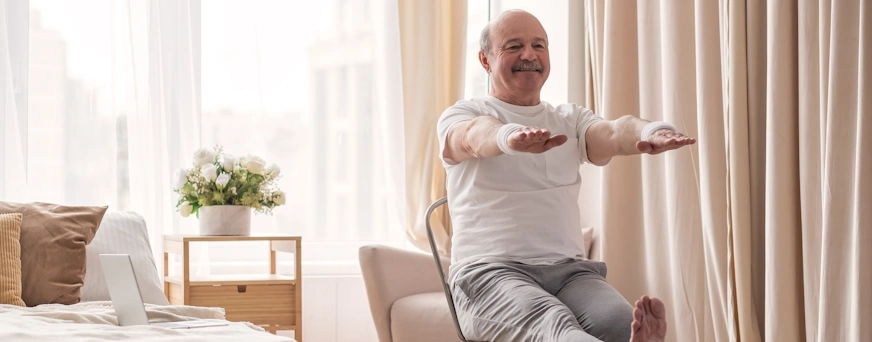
{"x":657,"y":308}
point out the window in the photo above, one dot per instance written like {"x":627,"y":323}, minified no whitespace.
{"x":343,"y":91}
{"x":297,"y":87}
{"x":340,"y":168}
{"x":477,"y":81}
{"x":75,"y":147}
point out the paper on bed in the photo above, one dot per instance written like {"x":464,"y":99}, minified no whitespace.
{"x":92,"y":321}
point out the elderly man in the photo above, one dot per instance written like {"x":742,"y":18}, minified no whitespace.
{"x":513,"y":184}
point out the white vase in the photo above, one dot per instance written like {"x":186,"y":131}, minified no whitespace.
{"x":231,"y":220}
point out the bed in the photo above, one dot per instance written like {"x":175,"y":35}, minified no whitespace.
{"x":62,"y":295}
{"x":95,"y":321}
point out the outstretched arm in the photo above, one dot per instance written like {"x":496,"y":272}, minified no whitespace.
{"x":622,"y":137}
{"x":481,"y":137}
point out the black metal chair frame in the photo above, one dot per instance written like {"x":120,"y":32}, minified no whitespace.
{"x":436,"y":258}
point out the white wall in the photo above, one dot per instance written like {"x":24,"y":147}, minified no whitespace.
{"x":335,"y":309}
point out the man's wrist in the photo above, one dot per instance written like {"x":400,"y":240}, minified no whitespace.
{"x":655,"y":126}
{"x":503,"y":137}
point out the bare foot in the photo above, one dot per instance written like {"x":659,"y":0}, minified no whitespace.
{"x":649,"y":321}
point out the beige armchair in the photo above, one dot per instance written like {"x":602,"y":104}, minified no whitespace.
{"x":405,"y":295}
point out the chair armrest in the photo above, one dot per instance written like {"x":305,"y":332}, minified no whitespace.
{"x":390,"y":274}
{"x":591,"y":247}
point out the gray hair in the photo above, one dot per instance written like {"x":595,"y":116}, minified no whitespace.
{"x":484,"y":40}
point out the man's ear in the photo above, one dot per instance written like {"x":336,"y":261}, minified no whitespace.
{"x":482,"y":57}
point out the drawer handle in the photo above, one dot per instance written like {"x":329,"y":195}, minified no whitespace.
{"x":241,"y":288}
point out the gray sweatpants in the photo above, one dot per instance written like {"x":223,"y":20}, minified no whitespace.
{"x":570,"y":301}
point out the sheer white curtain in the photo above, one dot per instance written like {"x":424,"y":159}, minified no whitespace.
{"x":124,"y":99}
{"x":163,"y":125}
{"x":316,"y":92}
{"x":58,"y":77}
{"x":389,"y":110}
{"x":13,"y":97}
{"x":116,"y":98}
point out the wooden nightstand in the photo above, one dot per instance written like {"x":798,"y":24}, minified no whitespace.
{"x":272,"y":301}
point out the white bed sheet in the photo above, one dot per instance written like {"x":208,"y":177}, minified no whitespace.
{"x":96,"y":321}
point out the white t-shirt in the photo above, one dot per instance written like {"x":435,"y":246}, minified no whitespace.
{"x":517,"y":207}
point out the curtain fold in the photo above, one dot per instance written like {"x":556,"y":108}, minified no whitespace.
{"x":816,"y":199}
{"x":760,"y":231}
{"x":433,"y":79}
{"x":782,"y":225}
{"x":751,"y":235}
{"x":653,"y":60}
{"x":593,"y":12}
{"x":843,"y":121}
{"x":813,"y":54}
{"x":744,"y":316}
{"x":163,"y":112}
{"x":14,"y":19}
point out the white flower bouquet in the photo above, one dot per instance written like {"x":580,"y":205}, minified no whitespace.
{"x":218,"y":178}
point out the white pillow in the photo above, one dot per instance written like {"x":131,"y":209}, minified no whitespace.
{"x":122,"y":233}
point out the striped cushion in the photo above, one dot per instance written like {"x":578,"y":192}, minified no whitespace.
{"x":123,"y":232}
{"x":10,"y":259}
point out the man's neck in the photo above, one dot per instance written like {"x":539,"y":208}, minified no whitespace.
{"x":529,"y":100}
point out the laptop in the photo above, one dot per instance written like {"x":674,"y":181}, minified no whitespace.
{"x":127,"y":299}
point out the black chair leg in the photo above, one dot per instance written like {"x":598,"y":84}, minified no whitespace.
{"x":445,"y":287}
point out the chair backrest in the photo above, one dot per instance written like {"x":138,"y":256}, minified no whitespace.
{"x":435,"y":252}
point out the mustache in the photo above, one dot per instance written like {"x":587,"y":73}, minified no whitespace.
{"x":528,"y":66}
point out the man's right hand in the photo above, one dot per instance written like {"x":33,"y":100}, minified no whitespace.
{"x":478,"y":138}
{"x":535,"y":140}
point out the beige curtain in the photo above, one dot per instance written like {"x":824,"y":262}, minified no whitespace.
{"x":433,"y":67}
{"x":761,"y":230}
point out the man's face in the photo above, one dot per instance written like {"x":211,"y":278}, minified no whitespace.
{"x":518,"y":61}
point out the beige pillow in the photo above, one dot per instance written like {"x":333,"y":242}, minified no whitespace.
{"x":10,"y":259}
{"x":53,"y":240}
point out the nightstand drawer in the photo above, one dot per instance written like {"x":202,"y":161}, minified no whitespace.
{"x":259,"y":304}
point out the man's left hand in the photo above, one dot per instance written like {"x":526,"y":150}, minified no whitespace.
{"x":664,"y":140}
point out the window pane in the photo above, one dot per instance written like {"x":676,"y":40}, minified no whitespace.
{"x":476,"y":77}
{"x":73,"y":134}
{"x":296,"y":88}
